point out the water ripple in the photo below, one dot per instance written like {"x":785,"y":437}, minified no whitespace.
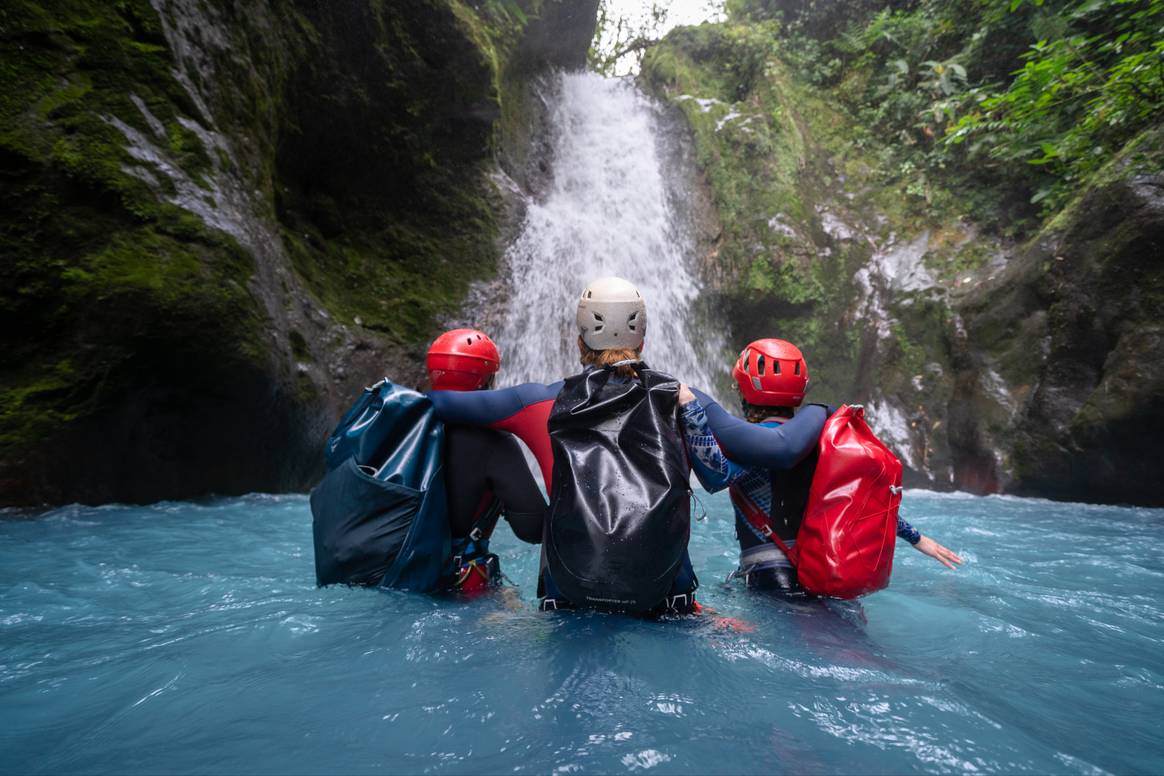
{"x":125,"y":625}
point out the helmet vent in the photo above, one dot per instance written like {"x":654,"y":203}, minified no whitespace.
{"x":775,"y":367}
{"x":598,"y":317}
{"x":589,"y":294}
{"x":469,"y":340}
{"x":760,"y":364}
{"x":756,"y":384}
{"x":796,"y":368}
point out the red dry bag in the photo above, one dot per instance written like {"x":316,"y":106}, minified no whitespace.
{"x":845,"y":545}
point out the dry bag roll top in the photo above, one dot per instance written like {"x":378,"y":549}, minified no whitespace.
{"x":379,"y":515}
{"x":845,"y":544}
{"x":620,"y":514}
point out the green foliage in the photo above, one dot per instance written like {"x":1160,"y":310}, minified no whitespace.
{"x":1080,"y":95}
{"x":1014,"y":101}
{"x":725,"y":62}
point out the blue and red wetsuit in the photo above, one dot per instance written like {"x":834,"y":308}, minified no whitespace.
{"x":522,"y":410}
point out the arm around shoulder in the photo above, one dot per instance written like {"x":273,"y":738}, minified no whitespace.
{"x":771,"y":448}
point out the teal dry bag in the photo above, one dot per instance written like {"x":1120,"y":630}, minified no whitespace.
{"x":379,"y":515}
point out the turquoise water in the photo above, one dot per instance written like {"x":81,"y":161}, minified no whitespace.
{"x":189,"y":638}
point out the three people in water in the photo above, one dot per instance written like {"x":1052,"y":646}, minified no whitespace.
{"x":616,"y":444}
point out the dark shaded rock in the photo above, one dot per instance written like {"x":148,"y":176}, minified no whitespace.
{"x":1087,"y":296}
{"x":559,"y":36}
{"x":220,"y":220}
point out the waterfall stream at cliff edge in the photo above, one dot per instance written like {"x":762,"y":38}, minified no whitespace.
{"x":608,"y":210}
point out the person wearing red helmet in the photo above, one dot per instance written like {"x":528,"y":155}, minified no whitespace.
{"x":486,"y":472}
{"x":462,"y":360}
{"x":772,"y":377}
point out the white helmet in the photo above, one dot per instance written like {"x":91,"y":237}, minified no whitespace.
{"x":612,"y":314}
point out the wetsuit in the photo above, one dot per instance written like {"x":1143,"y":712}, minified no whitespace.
{"x":487,"y":477}
{"x":522,"y":410}
{"x":486,"y":473}
{"x":781,"y":492}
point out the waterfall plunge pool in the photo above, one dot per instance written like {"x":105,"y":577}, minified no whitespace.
{"x":190,"y":638}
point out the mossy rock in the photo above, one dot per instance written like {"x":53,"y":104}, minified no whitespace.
{"x":217,"y":223}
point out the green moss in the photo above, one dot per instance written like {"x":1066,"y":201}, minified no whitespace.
{"x":393,"y":234}
{"x":299,"y":346}
{"x":95,"y":264}
{"x":365,"y":132}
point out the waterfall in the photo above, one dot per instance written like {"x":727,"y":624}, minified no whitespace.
{"x":610,"y":209}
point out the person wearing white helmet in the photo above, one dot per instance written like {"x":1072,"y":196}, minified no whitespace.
{"x":596,"y":534}
{"x":612,"y":324}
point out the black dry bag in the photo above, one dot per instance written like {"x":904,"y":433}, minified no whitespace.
{"x":620,"y":513}
{"x":380,"y":516}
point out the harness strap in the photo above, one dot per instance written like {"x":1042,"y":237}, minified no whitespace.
{"x":759,"y":521}
{"x":476,"y":543}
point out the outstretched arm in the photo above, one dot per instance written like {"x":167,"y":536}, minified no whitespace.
{"x":926,"y":545}
{"x":772,"y":448}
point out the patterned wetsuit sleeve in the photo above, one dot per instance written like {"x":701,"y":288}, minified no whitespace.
{"x":714,"y":470}
{"x":907,"y":531}
{"x":771,"y":448}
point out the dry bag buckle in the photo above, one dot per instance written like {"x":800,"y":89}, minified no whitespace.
{"x":895,"y":490}
{"x":766,"y":530}
{"x":476,"y":533}
{"x":674,"y":600}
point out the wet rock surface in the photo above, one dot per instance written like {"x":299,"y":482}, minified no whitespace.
{"x":1073,"y":324}
{"x":221,"y":221}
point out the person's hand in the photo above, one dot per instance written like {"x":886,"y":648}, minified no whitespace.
{"x":943,"y":555}
{"x":685,"y":395}
{"x":723,"y":623}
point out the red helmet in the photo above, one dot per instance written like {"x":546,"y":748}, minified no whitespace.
{"x":772,"y":373}
{"x":462,"y":360}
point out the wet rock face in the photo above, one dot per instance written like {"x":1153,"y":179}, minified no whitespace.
{"x":987,"y":366}
{"x":219,"y":221}
{"x":1088,"y":298}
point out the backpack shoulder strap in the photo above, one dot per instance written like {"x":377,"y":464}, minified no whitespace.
{"x":758,"y":520}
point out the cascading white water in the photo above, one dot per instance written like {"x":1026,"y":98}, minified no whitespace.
{"x":607,"y":211}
